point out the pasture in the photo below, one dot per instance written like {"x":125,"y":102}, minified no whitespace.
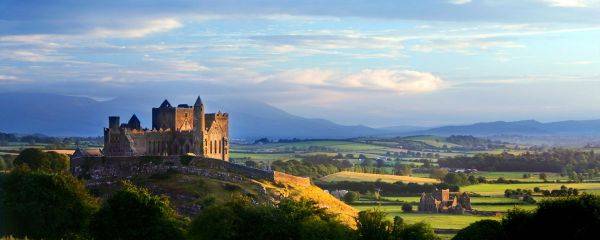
{"x":439,"y":221}
{"x":370,"y":177}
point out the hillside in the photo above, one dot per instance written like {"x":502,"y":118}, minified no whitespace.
{"x":203,"y":182}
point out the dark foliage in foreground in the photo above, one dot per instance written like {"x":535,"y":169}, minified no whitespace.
{"x":565,"y":218}
{"x":240,"y":219}
{"x":134,"y":213}
{"x":45,"y":205}
{"x":37,"y":159}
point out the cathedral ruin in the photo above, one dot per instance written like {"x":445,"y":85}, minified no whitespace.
{"x":443,"y":201}
{"x":181,"y":130}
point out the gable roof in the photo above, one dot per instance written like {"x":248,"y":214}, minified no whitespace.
{"x":165,"y":104}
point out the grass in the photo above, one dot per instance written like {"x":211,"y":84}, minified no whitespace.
{"x":495,"y":200}
{"x":435,"y":141}
{"x":442,"y":221}
{"x":498,"y":189}
{"x":370,"y":177}
{"x":519,"y":176}
{"x":503,"y":208}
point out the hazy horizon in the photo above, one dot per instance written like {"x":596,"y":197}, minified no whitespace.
{"x":374,"y":63}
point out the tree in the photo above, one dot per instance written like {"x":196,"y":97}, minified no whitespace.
{"x":43,"y":205}
{"x":481,"y":230}
{"x":251,"y":164}
{"x":134,"y":213}
{"x":289,"y":219}
{"x":37,"y":159}
{"x":418,"y":231}
{"x":543,"y":177}
{"x":372,"y":225}
{"x":3,"y":165}
{"x":407,"y":207}
{"x":403,"y":169}
{"x":456,"y":179}
{"x":351,"y":197}
{"x":438,"y":173}
{"x":564,"y":218}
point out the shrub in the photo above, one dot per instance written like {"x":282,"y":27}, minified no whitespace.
{"x":133,"y":213}
{"x":43,"y":205}
{"x":351,"y":197}
{"x":289,"y":219}
{"x":407,"y":207}
{"x":481,"y":230}
{"x":36,"y":159}
{"x":185,"y":159}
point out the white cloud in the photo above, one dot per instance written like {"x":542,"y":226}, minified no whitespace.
{"x":465,"y":46}
{"x":149,"y":27}
{"x":7,"y":78}
{"x":403,"y":81}
{"x":386,"y":80}
{"x":571,"y":3}
{"x":187,"y":66}
{"x":459,"y":2}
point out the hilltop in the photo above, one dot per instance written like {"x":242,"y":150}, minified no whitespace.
{"x":198,"y":183}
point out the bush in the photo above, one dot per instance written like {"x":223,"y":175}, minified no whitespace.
{"x":407,"y":207}
{"x":36,"y":159}
{"x":351,"y":197}
{"x":133,"y":213}
{"x":185,"y":160}
{"x":481,"y":230}
{"x":240,"y":219}
{"x":564,"y":218}
{"x":373,"y":225}
{"x":43,"y":205}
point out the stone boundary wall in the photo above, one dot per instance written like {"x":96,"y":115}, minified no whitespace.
{"x":110,"y":169}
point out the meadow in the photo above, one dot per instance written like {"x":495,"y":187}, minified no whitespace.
{"x":438,"y":221}
{"x":370,"y":177}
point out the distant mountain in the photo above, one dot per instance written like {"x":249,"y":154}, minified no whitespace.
{"x":526,"y":128}
{"x":59,"y":115}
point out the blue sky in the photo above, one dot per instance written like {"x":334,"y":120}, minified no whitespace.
{"x":378,"y":63}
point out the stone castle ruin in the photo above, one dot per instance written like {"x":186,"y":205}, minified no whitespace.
{"x":176,"y":131}
{"x":443,"y":201}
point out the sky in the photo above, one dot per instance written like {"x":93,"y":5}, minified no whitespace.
{"x":375,"y":63}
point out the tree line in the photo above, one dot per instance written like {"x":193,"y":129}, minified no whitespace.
{"x":554,"y":160}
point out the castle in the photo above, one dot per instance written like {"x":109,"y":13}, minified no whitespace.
{"x":442,"y":201}
{"x":175,"y":131}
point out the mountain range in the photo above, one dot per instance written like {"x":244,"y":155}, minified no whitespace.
{"x":60,"y":115}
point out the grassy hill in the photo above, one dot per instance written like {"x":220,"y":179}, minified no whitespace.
{"x":370,"y":177}
{"x":190,"y":193}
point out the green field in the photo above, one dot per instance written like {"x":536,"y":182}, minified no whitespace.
{"x":442,"y":221}
{"x":435,"y":141}
{"x":535,"y":177}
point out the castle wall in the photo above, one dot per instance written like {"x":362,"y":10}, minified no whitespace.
{"x":110,"y":169}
